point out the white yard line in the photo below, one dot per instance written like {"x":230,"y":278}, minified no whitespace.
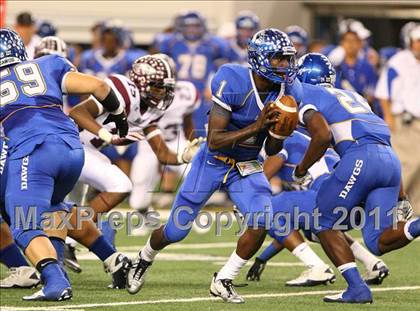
{"x":194,"y":299}
{"x":217,"y":260}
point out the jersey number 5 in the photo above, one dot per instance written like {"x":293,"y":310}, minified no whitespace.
{"x":32,"y":83}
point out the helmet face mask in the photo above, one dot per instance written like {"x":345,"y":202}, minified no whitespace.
{"x":154,"y":76}
{"x":51,"y":46}
{"x":159,"y":96}
{"x":272,"y":55}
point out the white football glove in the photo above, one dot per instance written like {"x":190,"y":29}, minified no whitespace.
{"x":302,"y":180}
{"x":190,"y":150}
{"x":404,"y":210}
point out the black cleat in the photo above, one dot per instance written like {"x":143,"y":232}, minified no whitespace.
{"x":70,"y":259}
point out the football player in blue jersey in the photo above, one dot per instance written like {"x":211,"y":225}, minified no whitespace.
{"x":303,"y":198}
{"x":362,"y":140}
{"x":197,"y":55}
{"x":238,"y":124}
{"x":45,"y":156}
{"x":21,"y":275}
{"x":112,"y":57}
{"x":247,"y":24}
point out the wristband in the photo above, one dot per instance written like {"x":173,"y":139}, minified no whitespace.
{"x":276,"y":136}
{"x":153,"y":133}
{"x":105,"y":135}
{"x":111,"y":103}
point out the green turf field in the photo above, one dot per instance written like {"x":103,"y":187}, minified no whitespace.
{"x":180,"y":279}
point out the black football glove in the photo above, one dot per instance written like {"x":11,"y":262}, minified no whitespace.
{"x":120,"y":121}
{"x":256,"y":270}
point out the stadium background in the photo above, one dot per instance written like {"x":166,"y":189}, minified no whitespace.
{"x":183,"y":274}
{"x":146,"y":18}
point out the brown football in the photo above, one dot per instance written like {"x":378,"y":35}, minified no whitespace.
{"x":288,"y":117}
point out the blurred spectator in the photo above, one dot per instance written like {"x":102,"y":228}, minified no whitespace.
{"x":336,"y":55}
{"x":299,"y":38}
{"x":26,"y":28}
{"x":46,"y":29}
{"x":112,"y":56}
{"x":405,"y":34}
{"x":399,"y":93}
{"x":160,"y":36}
{"x":197,"y":54}
{"x":355,"y":73}
{"x":385,"y":54}
{"x":246,"y":25}
{"x":316,"y":46}
{"x":96,"y":32}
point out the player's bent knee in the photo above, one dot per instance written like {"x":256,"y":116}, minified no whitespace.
{"x":118,"y":183}
{"x":24,"y":237}
{"x":174,"y":234}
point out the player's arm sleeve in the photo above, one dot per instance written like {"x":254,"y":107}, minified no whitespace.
{"x":61,"y":67}
{"x":222,"y":90}
{"x":304,"y":107}
{"x":385,"y":84}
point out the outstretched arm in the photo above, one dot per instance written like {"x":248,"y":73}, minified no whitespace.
{"x":79,"y":83}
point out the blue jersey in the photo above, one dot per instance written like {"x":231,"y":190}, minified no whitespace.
{"x":237,"y":54}
{"x":348,"y":114}
{"x":93,"y":62}
{"x":195,"y":61}
{"x":31,"y":104}
{"x":294,"y":148}
{"x":361,"y":77}
{"x":233,"y":89}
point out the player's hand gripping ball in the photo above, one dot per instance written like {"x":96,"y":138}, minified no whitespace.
{"x":287,"y":119}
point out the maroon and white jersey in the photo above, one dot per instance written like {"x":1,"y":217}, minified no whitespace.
{"x":184,"y":103}
{"x":129,"y":96}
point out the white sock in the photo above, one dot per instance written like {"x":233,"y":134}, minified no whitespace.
{"x":232,"y":267}
{"x":362,"y":254}
{"x":305,"y":254}
{"x":346,"y":266}
{"x":406,"y":232}
{"x":71,"y":242}
{"x":148,"y":253}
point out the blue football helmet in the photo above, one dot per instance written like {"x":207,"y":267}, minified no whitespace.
{"x":46,"y":29}
{"x":315,"y":68}
{"x":192,"y":25}
{"x":266,"y":45}
{"x":12,"y":49}
{"x":247,"y":24}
